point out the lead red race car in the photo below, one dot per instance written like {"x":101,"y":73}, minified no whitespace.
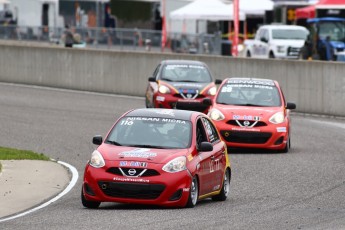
{"x":252,"y":113}
{"x":182,"y":84}
{"x":162,"y":157}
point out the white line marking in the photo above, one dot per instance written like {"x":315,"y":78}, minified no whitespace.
{"x":71,"y":184}
{"x":330,"y":123}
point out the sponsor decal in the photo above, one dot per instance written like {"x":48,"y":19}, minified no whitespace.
{"x":184,"y":66}
{"x":226,"y":89}
{"x":160,"y":98}
{"x":216,"y":187}
{"x":130,"y":179}
{"x":281,"y":129}
{"x":185,"y":189}
{"x":166,"y":112}
{"x":246,"y":117}
{"x":133,"y":164}
{"x":193,"y":85}
{"x":256,"y":82}
{"x":139,"y":152}
{"x":214,"y":165}
{"x":190,"y":157}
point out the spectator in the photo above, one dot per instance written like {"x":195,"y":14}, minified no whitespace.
{"x":68,"y":37}
{"x":110,"y":25}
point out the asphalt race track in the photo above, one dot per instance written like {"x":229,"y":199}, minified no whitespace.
{"x":304,"y":189}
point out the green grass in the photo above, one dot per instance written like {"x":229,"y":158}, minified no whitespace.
{"x":16,"y":154}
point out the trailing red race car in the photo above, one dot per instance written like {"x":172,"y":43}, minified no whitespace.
{"x":159,"y":157}
{"x":181,"y":84}
{"x":252,"y":113}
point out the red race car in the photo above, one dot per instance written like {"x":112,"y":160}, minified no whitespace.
{"x":158,"y":157}
{"x":252,"y":113}
{"x":181,"y":84}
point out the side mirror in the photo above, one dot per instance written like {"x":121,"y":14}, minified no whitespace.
{"x":218,"y":81}
{"x":97,"y":140}
{"x":207,"y":102}
{"x":290,"y":105}
{"x":152,"y":79}
{"x":205,"y":147}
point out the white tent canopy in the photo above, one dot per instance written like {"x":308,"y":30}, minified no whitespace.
{"x":255,"y":7}
{"x":211,"y":10}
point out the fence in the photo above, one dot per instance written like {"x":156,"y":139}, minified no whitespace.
{"x":118,"y":39}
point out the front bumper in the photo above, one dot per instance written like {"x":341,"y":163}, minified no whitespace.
{"x":272,"y":137}
{"x":166,"y":189}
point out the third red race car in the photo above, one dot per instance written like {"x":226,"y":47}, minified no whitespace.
{"x":252,"y":113}
{"x":181,"y":84}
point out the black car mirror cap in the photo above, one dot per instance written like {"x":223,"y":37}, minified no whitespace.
{"x":218,"y":81}
{"x":152,"y":79}
{"x":205,"y":147}
{"x":290,"y":105}
{"x":97,"y":140}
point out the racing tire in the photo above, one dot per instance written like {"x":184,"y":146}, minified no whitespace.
{"x":87,"y":203}
{"x":193,"y":193}
{"x":224,"y":193}
{"x":287,"y":146}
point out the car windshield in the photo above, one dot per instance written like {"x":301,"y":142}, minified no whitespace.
{"x":246,"y":94}
{"x":289,"y":34}
{"x":185,"y":73}
{"x":334,"y":30}
{"x":151,"y":132}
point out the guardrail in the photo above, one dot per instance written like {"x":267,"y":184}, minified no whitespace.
{"x":316,"y":87}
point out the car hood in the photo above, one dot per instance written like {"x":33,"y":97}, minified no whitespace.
{"x":180,"y":86}
{"x":284,"y":42}
{"x":248,"y":112}
{"x":120,"y":153}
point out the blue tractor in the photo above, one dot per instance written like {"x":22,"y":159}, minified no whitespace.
{"x":326,"y":40}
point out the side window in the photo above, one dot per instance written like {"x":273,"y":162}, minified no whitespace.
{"x":156,"y":72}
{"x":200,"y":133}
{"x":211,"y":131}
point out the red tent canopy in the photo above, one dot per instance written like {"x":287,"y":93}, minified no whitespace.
{"x":309,"y":11}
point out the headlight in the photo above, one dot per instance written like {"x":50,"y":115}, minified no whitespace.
{"x":163,"y":89}
{"x":280,"y":49}
{"x":216,"y":115}
{"x":212,"y":91}
{"x":176,"y":165}
{"x":277,"y":118}
{"x":97,"y":160}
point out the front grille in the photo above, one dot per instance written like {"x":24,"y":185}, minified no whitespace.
{"x":246,"y":137}
{"x":177,"y":95}
{"x":138,"y":172}
{"x":131,"y":190}
{"x":258,"y":123}
{"x":293,"y":51}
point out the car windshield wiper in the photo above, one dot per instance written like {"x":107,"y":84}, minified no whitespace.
{"x":149,"y":146}
{"x":113,"y":143}
{"x":187,"y":81}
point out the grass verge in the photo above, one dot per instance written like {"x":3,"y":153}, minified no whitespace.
{"x":16,"y":154}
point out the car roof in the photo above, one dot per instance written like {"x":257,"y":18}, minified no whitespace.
{"x":285,"y":27}
{"x":162,"y":113}
{"x":190,"y":62}
{"x":251,"y":80}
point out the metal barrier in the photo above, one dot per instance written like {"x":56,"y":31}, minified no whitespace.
{"x":118,"y":39}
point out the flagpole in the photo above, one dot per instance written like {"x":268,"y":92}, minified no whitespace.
{"x":236,"y":28}
{"x":164,"y":28}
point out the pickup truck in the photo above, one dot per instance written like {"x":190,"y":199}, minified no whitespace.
{"x":277,"y":41}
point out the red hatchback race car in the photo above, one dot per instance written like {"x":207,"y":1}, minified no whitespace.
{"x":252,"y":113}
{"x":158,"y":157}
{"x":181,"y":84}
